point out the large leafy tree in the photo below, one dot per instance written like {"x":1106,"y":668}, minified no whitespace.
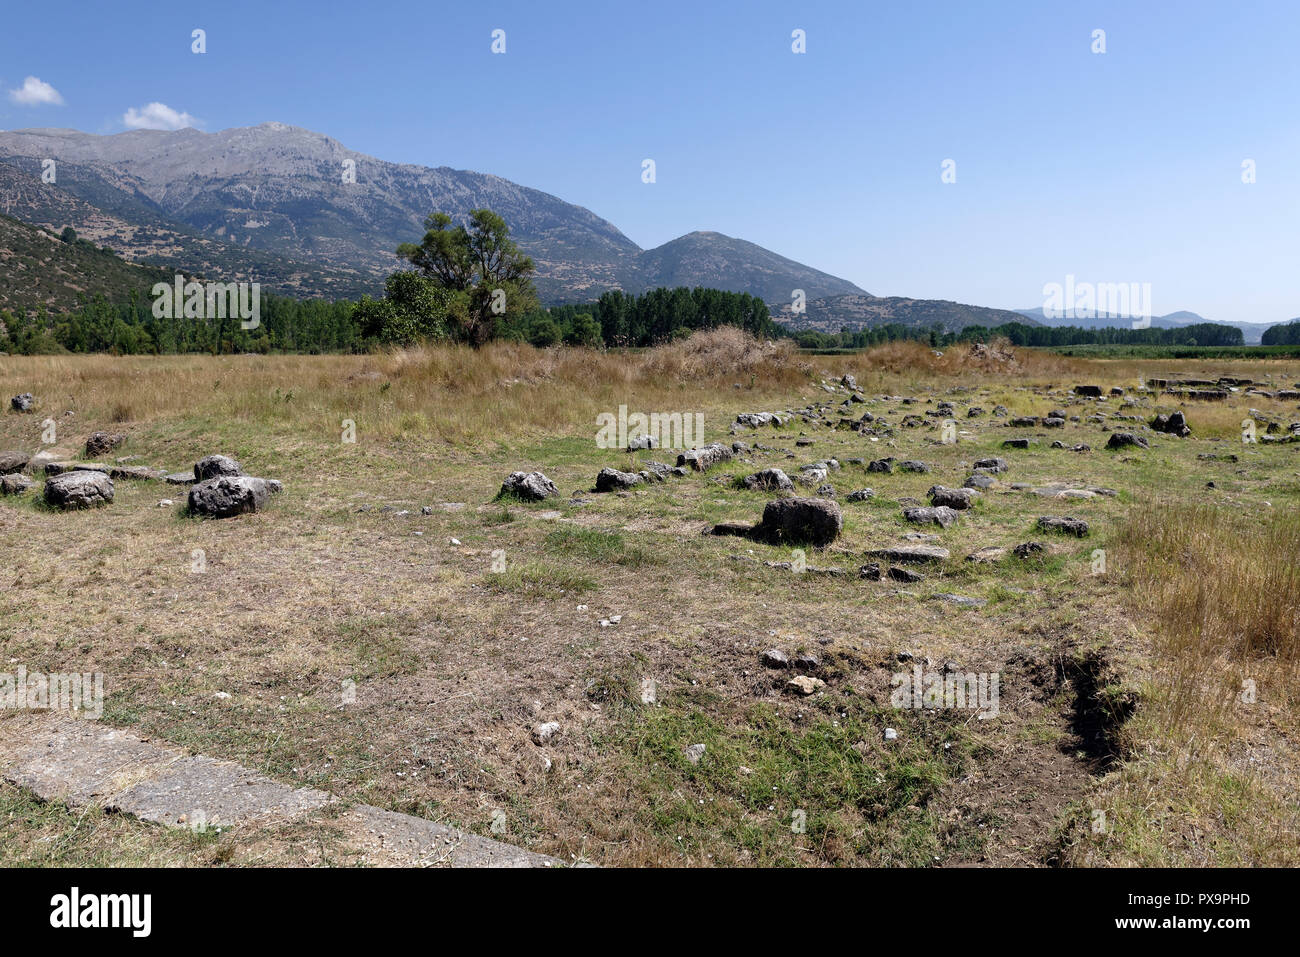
{"x":489,"y":278}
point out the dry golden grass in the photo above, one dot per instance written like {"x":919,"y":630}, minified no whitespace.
{"x":459,"y":394}
{"x":453,"y":666}
{"x":1212,"y":776}
{"x":910,"y":359}
{"x":726,"y":353}
{"x":1226,"y":584}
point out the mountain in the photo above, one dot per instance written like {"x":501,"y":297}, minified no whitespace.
{"x":1251,"y":331}
{"x":721,"y":262}
{"x":282,"y":194}
{"x":141,"y":234}
{"x":853,"y":312}
{"x":38,"y":268}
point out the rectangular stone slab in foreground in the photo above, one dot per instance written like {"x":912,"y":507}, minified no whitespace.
{"x":83,"y":762}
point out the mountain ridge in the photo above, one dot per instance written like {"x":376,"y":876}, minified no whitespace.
{"x":854,"y":312}
{"x":283,"y":190}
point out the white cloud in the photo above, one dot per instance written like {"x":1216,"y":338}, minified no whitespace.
{"x":157,"y":116}
{"x":36,"y":92}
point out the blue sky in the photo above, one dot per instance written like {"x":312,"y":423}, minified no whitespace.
{"x":1117,"y":167}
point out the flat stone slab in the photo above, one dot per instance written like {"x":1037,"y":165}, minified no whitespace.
{"x":220,"y":791}
{"x":137,"y":472}
{"x":396,"y":838}
{"x":964,"y":601}
{"x":59,"y":468}
{"x":912,"y":554}
{"x":80,"y":762}
{"x":1071,"y":491}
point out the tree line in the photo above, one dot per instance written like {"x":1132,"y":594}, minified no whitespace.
{"x":1022,"y":334}
{"x":469,"y":282}
{"x":130,"y":328}
{"x":1285,"y":334}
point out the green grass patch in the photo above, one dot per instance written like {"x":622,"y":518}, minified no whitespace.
{"x":540,"y":580}
{"x":598,"y":546}
{"x":781,"y":792}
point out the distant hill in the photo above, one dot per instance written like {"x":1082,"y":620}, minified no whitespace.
{"x":214,"y":202}
{"x":853,"y":312}
{"x":722,"y":262}
{"x":37,"y":267}
{"x":1251,"y":331}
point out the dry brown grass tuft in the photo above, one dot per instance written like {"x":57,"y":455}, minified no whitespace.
{"x":1224,"y":587}
{"x":727,"y":353}
{"x":1211,"y":778}
{"x":999,"y":359}
{"x":452,"y":393}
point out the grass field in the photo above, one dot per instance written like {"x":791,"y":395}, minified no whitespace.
{"x":1123,"y":734}
{"x":1198,"y":353}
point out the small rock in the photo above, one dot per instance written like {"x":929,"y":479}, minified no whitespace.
{"x":228,"y":495}
{"x":942,"y":515}
{"x":769,"y":480}
{"x":543,"y":733}
{"x":79,"y":489}
{"x":953,"y":498}
{"x":1124,"y":440}
{"x":529,"y":486}
{"x":101,"y":443}
{"x":815,"y":521}
{"x":1069,"y":526}
{"x":701,"y":460}
{"x":905,"y":575}
{"x":215,"y":466}
{"x":15,"y":483}
{"x":805,"y":684}
{"x":13,"y":462}
{"x":612,"y":480}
